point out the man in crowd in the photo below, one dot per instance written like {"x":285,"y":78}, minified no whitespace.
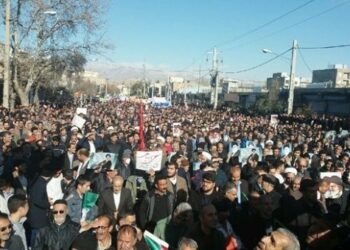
{"x":99,"y":237}
{"x":157,"y":207}
{"x":61,"y":231}
{"x":7,"y":240}
{"x":115,"y":200}
{"x":75,"y":200}
{"x":176,"y":184}
{"x":205,"y":233}
{"x":18,"y":208}
{"x":280,"y":239}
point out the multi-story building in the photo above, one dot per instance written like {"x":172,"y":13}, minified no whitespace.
{"x":338,"y":76}
{"x":281,"y":81}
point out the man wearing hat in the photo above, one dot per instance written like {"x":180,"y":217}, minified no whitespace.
{"x":206,"y":194}
{"x":336,"y":196}
{"x":269,"y":183}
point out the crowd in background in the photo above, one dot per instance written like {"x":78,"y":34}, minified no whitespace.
{"x":227,"y":180}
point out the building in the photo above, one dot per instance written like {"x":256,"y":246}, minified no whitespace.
{"x":337,"y":75}
{"x":281,"y":81}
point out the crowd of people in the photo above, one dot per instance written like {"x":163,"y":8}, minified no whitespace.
{"x":226,"y":180}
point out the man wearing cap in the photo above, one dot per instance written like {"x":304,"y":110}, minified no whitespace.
{"x":61,"y":231}
{"x":206,"y":194}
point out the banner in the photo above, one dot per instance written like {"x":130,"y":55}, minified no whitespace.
{"x":103,"y":160}
{"x":81,"y":111}
{"x":146,"y":160}
{"x":78,"y":121}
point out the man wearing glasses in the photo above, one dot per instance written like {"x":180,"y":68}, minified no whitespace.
{"x":7,"y":240}
{"x":61,"y":231}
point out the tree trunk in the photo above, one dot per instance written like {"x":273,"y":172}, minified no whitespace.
{"x":36,"y":95}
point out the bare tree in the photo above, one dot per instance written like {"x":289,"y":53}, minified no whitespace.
{"x":51,"y":38}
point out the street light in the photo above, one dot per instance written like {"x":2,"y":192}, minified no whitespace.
{"x":268,"y":51}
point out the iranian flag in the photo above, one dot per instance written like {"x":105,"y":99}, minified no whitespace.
{"x":154,"y":243}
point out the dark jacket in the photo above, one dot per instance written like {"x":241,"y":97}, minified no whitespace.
{"x":106,"y":203}
{"x":14,"y":243}
{"x":55,"y":237}
{"x":87,"y":241}
{"x":214,"y":241}
{"x":38,"y":204}
{"x":148,"y":206}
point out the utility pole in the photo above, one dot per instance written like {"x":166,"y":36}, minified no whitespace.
{"x":214,"y":80}
{"x":291,"y":78}
{"x":7,"y":80}
{"x":199,"y":78}
{"x":106,"y":90}
{"x":144,"y":80}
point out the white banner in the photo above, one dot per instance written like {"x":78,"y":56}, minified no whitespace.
{"x":81,"y":111}
{"x":146,"y":160}
{"x":78,"y":121}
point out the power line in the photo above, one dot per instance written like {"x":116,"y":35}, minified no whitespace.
{"x":255,"y":29}
{"x":304,"y":61}
{"x":267,"y":23}
{"x":259,"y":65}
{"x":327,"y":47}
{"x":292,"y":25}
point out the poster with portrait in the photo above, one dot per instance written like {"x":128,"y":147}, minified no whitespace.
{"x":146,"y":160}
{"x":274,"y":120}
{"x":246,"y":152}
{"x":103,"y":160}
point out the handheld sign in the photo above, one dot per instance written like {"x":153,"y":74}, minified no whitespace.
{"x":146,"y":160}
{"x":78,"y":121}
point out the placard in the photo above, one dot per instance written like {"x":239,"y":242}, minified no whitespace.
{"x":146,"y":160}
{"x":103,"y":160}
{"x":274,"y":120}
{"x":78,"y":121}
{"x":81,"y":111}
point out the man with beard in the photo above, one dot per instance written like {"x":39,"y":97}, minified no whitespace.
{"x":176,"y":184}
{"x":97,"y":238}
{"x":206,"y":194}
{"x":61,"y":231}
{"x":7,"y":239}
{"x":336,"y":197}
{"x":157,"y":206}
